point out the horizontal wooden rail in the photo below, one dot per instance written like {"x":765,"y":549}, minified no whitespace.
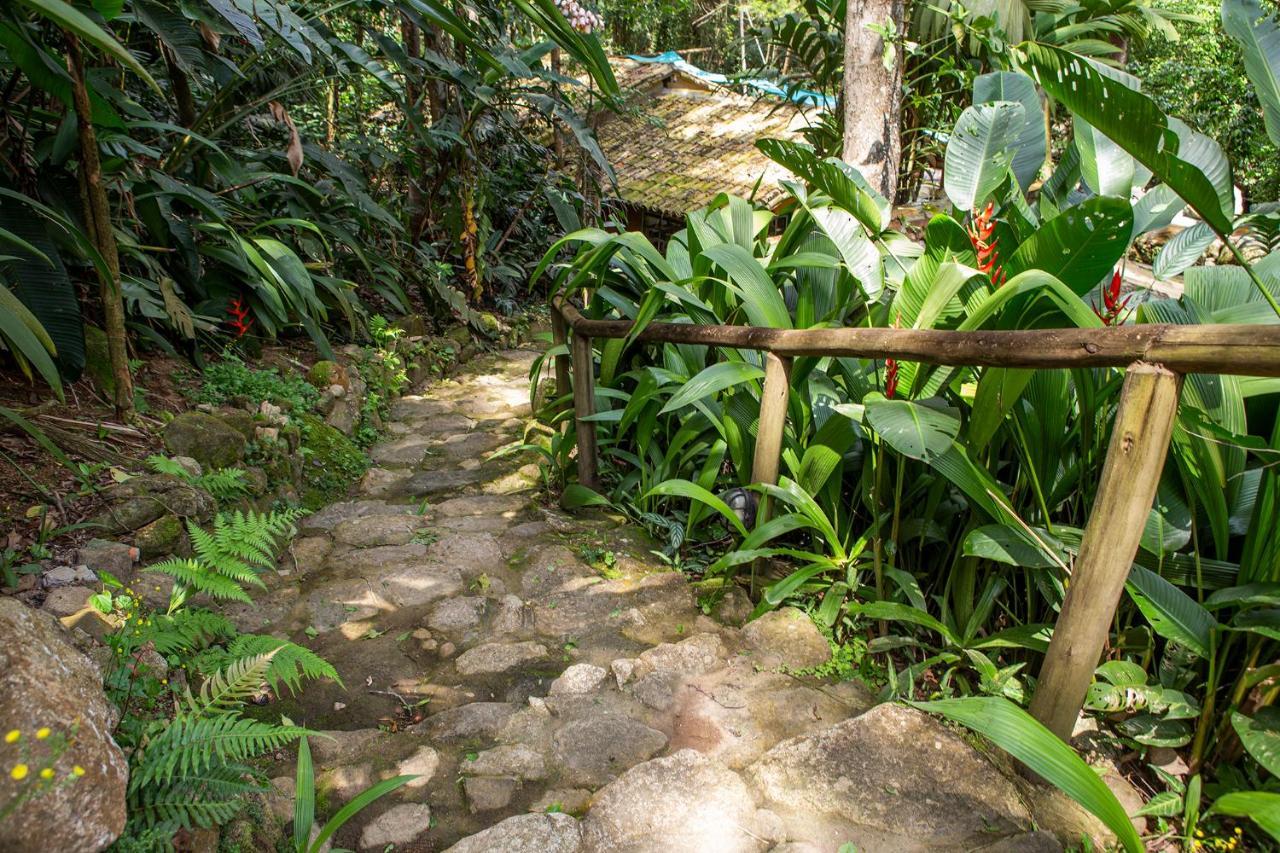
{"x":1155,"y":357}
{"x":1241,"y":350}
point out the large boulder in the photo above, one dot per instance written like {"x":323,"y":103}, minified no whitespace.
{"x":46,"y":682}
{"x":207,"y":439}
{"x":890,"y":779}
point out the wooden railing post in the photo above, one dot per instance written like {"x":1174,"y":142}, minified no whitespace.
{"x":560,"y":336}
{"x":584,"y":405}
{"x":773,"y":419}
{"x":1130,"y":476}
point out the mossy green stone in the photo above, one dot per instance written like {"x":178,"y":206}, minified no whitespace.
{"x":331,"y":463}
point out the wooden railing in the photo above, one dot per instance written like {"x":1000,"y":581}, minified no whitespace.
{"x":1155,"y":358}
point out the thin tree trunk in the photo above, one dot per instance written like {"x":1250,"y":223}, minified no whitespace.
{"x":97,"y":214}
{"x":872,"y":94}
{"x":413,"y":110}
{"x":181,"y":87}
{"x":331,"y":115}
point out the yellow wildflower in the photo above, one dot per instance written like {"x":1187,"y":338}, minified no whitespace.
{"x":19,"y":772}
{"x":78,"y":770}
{"x":46,"y":773}
{"x":12,"y":736}
{"x":42,"y":733}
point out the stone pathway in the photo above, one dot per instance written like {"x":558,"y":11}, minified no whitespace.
{"x":549,"y":706}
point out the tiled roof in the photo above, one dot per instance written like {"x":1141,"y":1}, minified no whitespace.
{"x":689,"y":143}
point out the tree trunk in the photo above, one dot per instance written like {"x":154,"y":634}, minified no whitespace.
{"x":331,"y":115}
{"x":413,"y":116}
{"x":97,"y":216}
{"x":872,"y":94}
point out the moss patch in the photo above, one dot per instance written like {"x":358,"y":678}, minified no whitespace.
{"x":331,"y":462}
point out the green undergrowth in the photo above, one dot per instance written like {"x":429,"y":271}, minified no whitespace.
{"x":331,"y":463}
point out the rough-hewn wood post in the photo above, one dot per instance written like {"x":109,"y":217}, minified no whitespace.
{"x":560,"y":337}
{"x":584,"y":405}
{"x":773,"y":419}
{"x":1130,"y":475}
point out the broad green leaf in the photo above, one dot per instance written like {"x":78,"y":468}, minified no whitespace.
{"x":1258,"y":35}
{"x":77,"y":23}
{"x":685,"y":489}
{"x":1019,"y":734}
{"x":1183,"y":250}
{"x":1172,"y":613}
{"x":895,"y":612}
{"x":1131,"y":120}
{"x":1005,"y":544}
{"x":1033,"y":136}
{"x":353,"y":808}
{"x":304,"y":797}
{"x":576,"y":496}
{"x":717,"y":377}
{"x":1079,"y":247}
{"x":1106,"y":167}
{"x":980,"y":151}
{"x":911,"y":428}
{"x":761,"y":299}
{"x":1260,"y":735}
{"x":1262,"y":807}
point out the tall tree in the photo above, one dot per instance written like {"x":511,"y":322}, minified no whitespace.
{"x":872,"y":91}
{"x":97,"y":217}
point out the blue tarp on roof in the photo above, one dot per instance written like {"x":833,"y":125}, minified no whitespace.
{"x":800,"y":96}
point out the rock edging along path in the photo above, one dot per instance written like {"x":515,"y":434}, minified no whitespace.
{"x":547,"y":706}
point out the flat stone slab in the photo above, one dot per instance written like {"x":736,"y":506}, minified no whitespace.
{"x":526,"y":833}
{"x":475,"y":720}
{"x":682,"y":802}
{"x":333,"y":514}
{"x":594,"y":750}
{"x":377,"y":530}
{"x":493,"y":658}
{"x":439,"y":482}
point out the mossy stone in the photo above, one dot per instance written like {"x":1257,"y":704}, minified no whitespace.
{"x":325,"y":373}
{"x":160,"y":537}
{"x":240,"y":421}
{"x":331,"y":463}
{"x":207,"y":439}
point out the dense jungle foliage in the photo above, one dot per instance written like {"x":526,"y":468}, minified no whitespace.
{"x":218,"y":174}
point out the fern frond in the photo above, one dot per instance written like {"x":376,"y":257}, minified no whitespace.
{"x":165,"y":465}
{"x":192,"y":574}
{"x":205,"y":799}
{"x":214,"y":557}
{"x":187,"y":631}
{"x":253,"y":537}
{"x":224,"y":484}
{"x":291,"y":662}
{"x":239,"y":680}
{"x":189,"y":745}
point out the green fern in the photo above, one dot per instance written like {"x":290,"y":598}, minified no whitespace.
{"x":238,"y":549}
{"x":224,"y":484}
{"x":224,"y":689}
{"x":183,"y":633}
{"x":290,"y":663}
{"x":205,"y":799}
{"x":190,"y":745}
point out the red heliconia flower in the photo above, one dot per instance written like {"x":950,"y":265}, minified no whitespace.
{"x":980,"y":232}
{"x":891,"y":368}
{"x":890,"y":377}
{"x":1114,"y":309}
{"x":238,"y":317}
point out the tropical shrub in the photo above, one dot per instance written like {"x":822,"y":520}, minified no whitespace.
{"x":938,"y":510}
